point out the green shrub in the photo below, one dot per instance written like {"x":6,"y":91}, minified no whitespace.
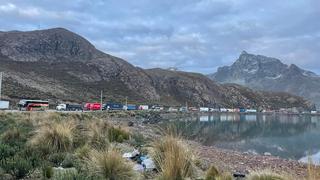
{"x":47,"y":171}
{"x":68,"y":174}
{"x":18,"y":167}
{"x":69,"y":161}
{"x":34,"y":156}
{"x":117,"y":135}
{"x":12,"y":136}
{"x":56,"y":158}
{"x":137,"y":140}
{"x":6,"y":152}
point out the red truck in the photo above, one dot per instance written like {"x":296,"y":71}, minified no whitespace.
{"x":92,"y":107}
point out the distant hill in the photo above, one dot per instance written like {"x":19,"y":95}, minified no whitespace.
{"x":59,"y":65}
{"x":270,"y":74}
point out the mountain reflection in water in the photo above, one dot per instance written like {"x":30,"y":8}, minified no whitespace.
{"x":287,"y":136}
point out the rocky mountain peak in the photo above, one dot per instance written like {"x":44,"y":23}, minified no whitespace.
{"x":266,"y":73}
{"x":57,"y":44}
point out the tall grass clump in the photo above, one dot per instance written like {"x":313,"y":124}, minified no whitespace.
{"x":266,"y":175}
{"x":173,"y":158}
{"x":117,"y":134}
{"x":109,"y":164}
{"x":98,"y":136}
{"x":313,"y":170}
{"x":213,"y":174}
{"x":59,"y":136}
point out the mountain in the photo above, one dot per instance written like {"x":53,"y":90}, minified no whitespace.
{"x":59,"y":65}
{"x":270,"y":74}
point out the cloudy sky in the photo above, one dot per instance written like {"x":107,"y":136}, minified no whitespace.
{"x":193,"y":35}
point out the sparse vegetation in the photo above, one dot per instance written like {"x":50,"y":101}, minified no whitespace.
{"x":266,"y":175}
{"x":109,"y":164}
{"x":57,"y":135}
{"x":173,"y":158}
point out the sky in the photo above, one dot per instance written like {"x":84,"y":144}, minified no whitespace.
{"x":192,"y":35}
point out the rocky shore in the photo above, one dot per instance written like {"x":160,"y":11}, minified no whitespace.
{"x":244,"y":163}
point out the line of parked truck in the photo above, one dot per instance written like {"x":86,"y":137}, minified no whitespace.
{"x":36,"y":105}
{"x":42,"y":105}
{"x":99,"y":106}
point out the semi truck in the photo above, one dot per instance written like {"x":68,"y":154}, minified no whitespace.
{"x":113,"y":106}
{"x":92,"y":107}
{"x":143,"y":107}
{"x":69,"y":107}
{"x":130,"y":107}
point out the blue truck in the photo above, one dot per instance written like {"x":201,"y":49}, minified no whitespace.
{"x":130,"y":107}
{"x":113,"y":106}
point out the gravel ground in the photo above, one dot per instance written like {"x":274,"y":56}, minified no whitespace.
{"x":233,"y":161}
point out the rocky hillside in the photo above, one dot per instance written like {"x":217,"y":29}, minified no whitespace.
{"x":59,"y":65}
{"x":270,"y":74}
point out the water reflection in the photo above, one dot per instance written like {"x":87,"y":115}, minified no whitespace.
{"x":288,"y":136}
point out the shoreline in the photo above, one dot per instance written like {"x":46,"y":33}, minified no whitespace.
{"x":232,"y":161}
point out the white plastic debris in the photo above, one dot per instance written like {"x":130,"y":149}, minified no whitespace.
{"x":135,"y":152}
{"x":138,"y":167}
{"x":127,"y":155}
{"x":148,"y":164}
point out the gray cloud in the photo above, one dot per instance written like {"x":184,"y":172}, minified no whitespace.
{"x":193,"y":35}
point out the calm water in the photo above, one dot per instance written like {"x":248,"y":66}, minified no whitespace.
{"x":286,"y":136}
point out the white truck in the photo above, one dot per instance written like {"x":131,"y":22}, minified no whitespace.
{"x":69,"y":107}
{"x":143,"y":107}
{"x":204,"y":109}
{"x":4,"y":105}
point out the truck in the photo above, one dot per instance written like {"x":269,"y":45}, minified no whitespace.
{"x":251,"y":111}
{"x":113,"y":106}
{"x":92,"y":107}
{"x":130,"y":107}
{"x":143,"y":107}
{"x":69,"y":107}
{"x":4,"y":105}
{"x":204,"y":109}
{"x":157,"y":108}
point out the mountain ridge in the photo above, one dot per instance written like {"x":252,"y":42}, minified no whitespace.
{"x":60,"y":65}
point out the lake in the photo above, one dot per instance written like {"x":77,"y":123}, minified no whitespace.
{"x":287,"y":136}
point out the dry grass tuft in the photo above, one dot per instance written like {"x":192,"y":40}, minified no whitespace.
{"x":11,"y":134}
{"x":313,"y":171}
{"x":173,"y":158}
{"x":266,"y":175}
{"x":97,"y":133}
{"x":109,"y":164}
{"x":57,"y":135}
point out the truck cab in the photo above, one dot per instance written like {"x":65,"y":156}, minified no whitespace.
{"x":61,"y":107}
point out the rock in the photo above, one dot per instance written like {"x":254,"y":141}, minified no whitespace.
{"x":267,"y":154}
{"x":130,"y":123}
